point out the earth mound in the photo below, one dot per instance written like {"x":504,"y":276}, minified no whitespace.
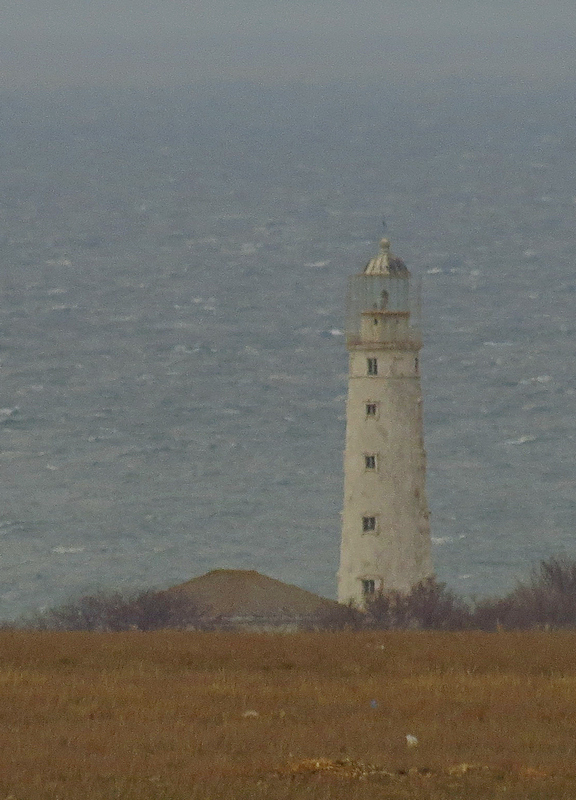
{"x":246,"y":597}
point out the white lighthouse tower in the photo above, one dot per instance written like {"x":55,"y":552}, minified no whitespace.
{"x":385,"y":526}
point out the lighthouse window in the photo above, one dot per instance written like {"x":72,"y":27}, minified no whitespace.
{"x":370,"y":462}
{"x":372,"y":364}
{"x":368,"y":586}
{"x":371,"y":409}
{"x":368,"y":524}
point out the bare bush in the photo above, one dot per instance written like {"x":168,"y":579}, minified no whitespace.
{"x":114,"y":611}
{"x":338,"y":618}
{"x":429,"y":606}
{"x":546,"y":600}
{"x":492,"y":614}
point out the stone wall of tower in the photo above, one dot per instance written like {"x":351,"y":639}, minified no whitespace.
{"x":384,"y":420}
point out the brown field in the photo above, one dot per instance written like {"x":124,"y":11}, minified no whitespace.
{"x":162,"y":716}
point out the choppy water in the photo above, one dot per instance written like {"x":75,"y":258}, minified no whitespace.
{"x":173,"y":371}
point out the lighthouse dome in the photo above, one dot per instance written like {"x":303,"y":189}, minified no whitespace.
{"x":385,"y":263}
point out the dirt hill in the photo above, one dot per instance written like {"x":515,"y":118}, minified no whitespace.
{"x":246,"y":596}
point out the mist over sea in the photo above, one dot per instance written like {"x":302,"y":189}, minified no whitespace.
{"x":173,"y":367}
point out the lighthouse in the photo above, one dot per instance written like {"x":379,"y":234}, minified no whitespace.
{"x":385,"y":519}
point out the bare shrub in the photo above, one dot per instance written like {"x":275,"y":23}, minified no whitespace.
{"x":429,"y":606}
{"x":435,"y":607}
{"x":338,"y":618}
{"x":492,"y":614}
{"x":115,"y":611}
{"x":386,"y":611}
{"x":546,"y":600}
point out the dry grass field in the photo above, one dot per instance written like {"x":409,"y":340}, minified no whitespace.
{"x":208,"y":716}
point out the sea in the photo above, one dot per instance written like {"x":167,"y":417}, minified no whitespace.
{"x":173,"y":365}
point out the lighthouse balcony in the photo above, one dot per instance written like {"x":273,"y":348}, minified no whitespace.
{"x":413,"y":341}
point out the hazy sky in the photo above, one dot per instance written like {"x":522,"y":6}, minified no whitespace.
{"x":141,"y":42}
